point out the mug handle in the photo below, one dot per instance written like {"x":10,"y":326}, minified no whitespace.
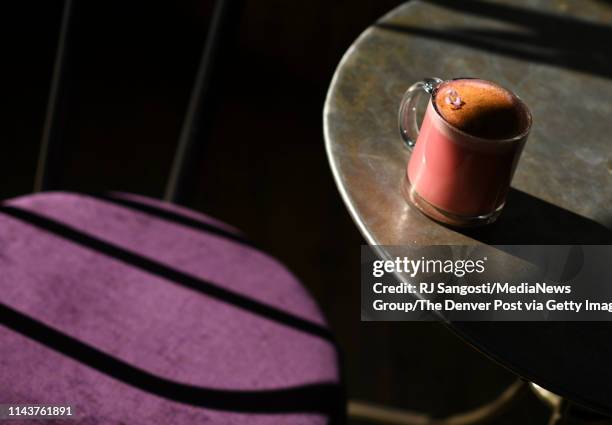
{"x":407,"y":119}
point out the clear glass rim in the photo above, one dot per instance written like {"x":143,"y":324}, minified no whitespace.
{"x":520,"y":136}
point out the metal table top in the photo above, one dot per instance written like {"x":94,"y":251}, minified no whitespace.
{"x":555,"y":55}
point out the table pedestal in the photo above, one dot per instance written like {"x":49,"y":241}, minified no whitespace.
{"x":562,"y":411}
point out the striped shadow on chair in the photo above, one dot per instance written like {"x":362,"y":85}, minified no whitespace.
{"x":138,"y":311}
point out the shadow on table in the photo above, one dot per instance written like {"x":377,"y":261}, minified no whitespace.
{"x":553,"y":39}
{"x":529,"y":348}
{"x":545,"y":38}
{"x":528,"y":220}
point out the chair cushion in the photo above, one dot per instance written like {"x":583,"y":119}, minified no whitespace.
{"x":137,"y":311}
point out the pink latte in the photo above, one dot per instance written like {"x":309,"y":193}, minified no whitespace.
{"x":468,"y":147}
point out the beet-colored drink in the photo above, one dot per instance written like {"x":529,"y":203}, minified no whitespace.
{"x":466,"y":150}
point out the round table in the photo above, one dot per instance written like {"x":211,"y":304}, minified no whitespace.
{"x":554,"y":54}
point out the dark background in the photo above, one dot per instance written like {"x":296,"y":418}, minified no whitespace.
{"x":130,"y":71}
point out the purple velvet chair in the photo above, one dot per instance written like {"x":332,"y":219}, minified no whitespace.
{"x":138,"y":311}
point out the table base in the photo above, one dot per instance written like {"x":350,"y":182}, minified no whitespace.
{"x":562,"y":411}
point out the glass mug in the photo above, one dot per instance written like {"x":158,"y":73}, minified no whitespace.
{"x":454,"y":177}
